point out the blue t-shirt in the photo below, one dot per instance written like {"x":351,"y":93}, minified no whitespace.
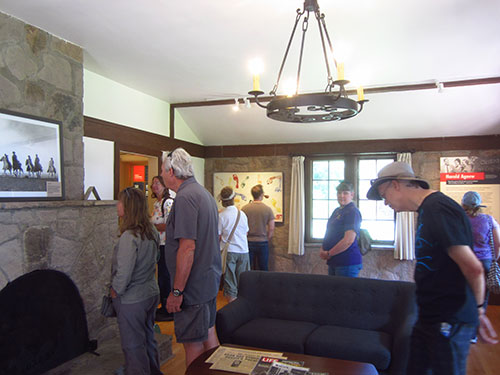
{"x":443,"y":294}
{"x":343,"y":219}
{"x":194,"y":216}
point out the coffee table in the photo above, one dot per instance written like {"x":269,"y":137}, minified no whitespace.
{"x":317,"y":364}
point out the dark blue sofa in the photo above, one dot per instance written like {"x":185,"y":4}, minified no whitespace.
{"x":356,"y":319}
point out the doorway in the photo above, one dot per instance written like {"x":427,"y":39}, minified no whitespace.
{"x":137,"y":170}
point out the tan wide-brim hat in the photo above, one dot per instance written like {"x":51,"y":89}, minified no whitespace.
{"x":394,"y":171}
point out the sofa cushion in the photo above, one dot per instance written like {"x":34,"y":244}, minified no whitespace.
{"x":351,"y":344}
{"x":275,"y":334}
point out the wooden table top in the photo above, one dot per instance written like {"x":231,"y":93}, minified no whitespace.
{"x":317,"y":364}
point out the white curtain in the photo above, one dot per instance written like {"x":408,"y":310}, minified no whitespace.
{"x":405,"y":227}
{"x":297,"y":208}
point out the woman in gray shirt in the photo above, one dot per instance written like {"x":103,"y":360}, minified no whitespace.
{"x":134,"y":288}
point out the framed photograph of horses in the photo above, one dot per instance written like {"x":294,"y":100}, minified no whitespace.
{"x":31,"y":158}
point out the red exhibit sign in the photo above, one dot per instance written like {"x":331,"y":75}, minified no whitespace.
{"x":139,"y":173}
{"x":462,"y":176}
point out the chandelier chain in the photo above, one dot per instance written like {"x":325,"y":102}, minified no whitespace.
{"x":297,"y":18}
{"x":305,"y":25}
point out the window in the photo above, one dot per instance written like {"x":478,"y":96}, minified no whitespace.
{"x":324,"y":176}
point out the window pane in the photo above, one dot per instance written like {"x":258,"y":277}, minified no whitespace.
{"x":333,"y":189}
{"x":379,"y":230}
{"x":384,"y":212}
{"x":320,"y":170}
{"x":336,"y":169}
{"x":320,"y":209}
{"x":363,"y":187}
{"x":368,"y":209}
{"x":318,"y":228}
{"x":367,"y":169}
{"x":320,"y":190}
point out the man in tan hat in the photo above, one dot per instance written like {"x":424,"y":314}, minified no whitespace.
{"x":449,"y":278}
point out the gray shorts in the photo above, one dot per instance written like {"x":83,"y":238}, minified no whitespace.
{"x":194,"y":321}
{"x":236,"y":264}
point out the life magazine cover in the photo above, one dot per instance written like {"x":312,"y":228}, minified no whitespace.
{"x":262,"y":367}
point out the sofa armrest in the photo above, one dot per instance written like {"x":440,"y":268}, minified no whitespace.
{"x":231,"y":317}
{"x":401,"y":345}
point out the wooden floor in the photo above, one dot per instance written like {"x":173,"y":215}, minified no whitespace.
{"x":483,"y":359}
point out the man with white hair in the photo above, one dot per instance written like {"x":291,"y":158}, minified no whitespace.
{"x":192,"y":255}
{"x":448,"y":276}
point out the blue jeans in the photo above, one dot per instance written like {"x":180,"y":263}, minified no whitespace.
{"x":259,"y":253}
{"x":349,"y":271}
{"x":440,"y":348}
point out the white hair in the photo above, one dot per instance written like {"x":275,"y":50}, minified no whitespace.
{"x":180,"y":161}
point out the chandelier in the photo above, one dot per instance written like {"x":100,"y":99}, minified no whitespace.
{"x":332,"y":105}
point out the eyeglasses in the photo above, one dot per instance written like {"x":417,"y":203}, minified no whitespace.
{"x":382,"y":195}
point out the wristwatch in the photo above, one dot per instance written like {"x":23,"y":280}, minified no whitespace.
{"x":177,"y":292}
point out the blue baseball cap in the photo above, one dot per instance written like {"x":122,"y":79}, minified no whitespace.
{"x":472,"y":199}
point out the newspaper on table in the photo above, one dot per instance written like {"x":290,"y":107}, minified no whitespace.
{"x":237,"y":360}
{"x":262,"y":367}
{"x":279,"y":368}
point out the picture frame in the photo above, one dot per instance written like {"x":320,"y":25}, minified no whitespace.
{"x":31,"y":158}
{"x":242,"y":183}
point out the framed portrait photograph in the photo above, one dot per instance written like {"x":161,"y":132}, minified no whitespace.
{"x":31,"y":165}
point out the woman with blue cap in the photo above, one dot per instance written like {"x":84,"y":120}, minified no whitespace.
{"x":484,"y":227}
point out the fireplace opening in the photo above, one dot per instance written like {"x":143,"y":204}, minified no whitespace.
{"x":42,"y":323}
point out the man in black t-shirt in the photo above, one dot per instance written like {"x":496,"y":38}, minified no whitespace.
{"x":449,"y":278}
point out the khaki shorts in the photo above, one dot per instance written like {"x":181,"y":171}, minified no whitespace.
{"x":194,"y":321}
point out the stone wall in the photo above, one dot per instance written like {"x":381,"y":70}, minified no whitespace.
{"x":42,"y":75}
{"x":75,"y":237}
{"x":378,"y":264}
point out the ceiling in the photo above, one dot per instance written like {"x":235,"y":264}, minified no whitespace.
{"x":198,"y":50}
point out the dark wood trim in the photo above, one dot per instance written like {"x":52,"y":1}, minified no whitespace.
{"x":116,"y":172}
{"x":485,"y":142}
{"x":138,"y":141}
{"x":172,"y":123}
{"x":368,"y":90}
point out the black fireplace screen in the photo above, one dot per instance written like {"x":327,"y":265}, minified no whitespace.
{"x":42,"y":323}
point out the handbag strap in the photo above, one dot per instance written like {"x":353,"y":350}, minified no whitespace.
{"x":232,"y":231}
{"x":492,"y":245}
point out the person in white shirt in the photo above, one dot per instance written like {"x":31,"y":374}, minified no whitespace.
{"x":237,"y":260}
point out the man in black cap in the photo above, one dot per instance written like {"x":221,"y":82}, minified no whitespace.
{"x":449,"y":278}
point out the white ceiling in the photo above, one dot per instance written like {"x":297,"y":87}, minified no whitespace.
{"x":197,"y":50}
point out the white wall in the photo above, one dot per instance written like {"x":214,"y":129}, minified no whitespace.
{"x":183,"y":131}
{"x":199,"y":170}
{"x":98,"y":156}
{"x":111,"y":101}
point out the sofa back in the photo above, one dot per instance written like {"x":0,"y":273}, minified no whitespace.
{"x":329,"y":300}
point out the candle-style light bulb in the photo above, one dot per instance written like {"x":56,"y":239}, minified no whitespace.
{"x":340,"y":71}
{"x":256,"y":67}
{"x":361,"y":93}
